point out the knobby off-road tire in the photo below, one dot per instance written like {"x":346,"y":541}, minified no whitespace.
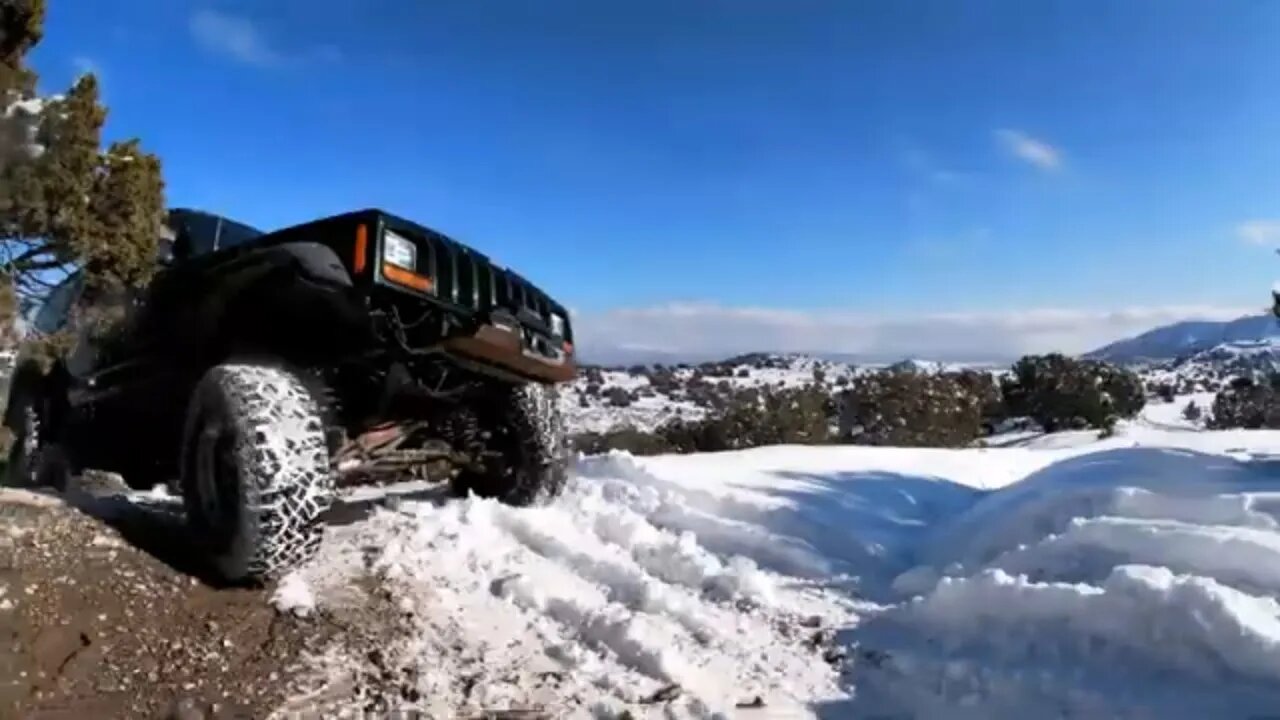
{"x":527,"y":430}
{"x":256,"y":475}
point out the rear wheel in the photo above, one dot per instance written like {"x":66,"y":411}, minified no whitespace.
{"x":529,"y":455}
{"x":256,"y":475}
{"x":34,"y":459}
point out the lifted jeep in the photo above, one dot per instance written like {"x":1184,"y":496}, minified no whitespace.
{"x":259,"y":371}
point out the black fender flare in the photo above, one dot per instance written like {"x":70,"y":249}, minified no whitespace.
{"x":311,"y":297}
{"x":317,"y":262}
{"x":268,"y":266}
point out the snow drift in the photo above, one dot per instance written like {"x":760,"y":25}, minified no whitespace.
{"x":1131,"y":577}
{"x":1123,"y":583}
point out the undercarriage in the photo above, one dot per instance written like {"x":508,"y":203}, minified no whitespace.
{"x":410,"y":450}
{"x":422,"y":419}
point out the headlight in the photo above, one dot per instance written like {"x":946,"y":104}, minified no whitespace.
{"x":557,"y":325}
{"x":399,"y":251}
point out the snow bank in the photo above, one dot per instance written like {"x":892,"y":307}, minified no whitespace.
{"x":854,"y":513}
{"x":1123,"y":583}
{"x":1129,"y":577}
{"x":1144,"y":643}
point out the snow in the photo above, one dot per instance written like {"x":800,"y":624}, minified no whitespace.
{"x":1168,"y":415}
{"x":1133,"y":576}
{"x":28,"y":106}
{"x":1125,"y":582}
{"x":1145,"y":642}
{"x":1212,"y":367}
{"x":644,"y":413}
{"x":592,"y":589}
{"x":293,"y":595}
{"x":651,"y":407}
{"x":1198,"y":376}
{"x":1263,"y":346}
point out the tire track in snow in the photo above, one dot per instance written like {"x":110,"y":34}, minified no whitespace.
{"x":607,"y":602}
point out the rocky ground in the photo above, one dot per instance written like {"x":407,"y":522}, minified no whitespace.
{"x":104,"y":615}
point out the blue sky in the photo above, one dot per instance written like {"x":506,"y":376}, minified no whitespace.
{"x":815,"y":175}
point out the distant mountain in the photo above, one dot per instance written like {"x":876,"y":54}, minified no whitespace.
{"x":1187,"y":338}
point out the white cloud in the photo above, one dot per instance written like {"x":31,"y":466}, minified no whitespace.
{"x":694,"y":330}
{"x":241,"y":40}
{"x":237,"y":38}
{"x":1259,"y":232}
{"x":1029,"y":149}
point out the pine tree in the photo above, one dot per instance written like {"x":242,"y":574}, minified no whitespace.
{"x":126,"y":208}
{"x":21,"y":28}
{"x":64,"y":202}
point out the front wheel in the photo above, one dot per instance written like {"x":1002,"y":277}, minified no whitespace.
{"x":255,"y":476}
{"x":529,"y":452}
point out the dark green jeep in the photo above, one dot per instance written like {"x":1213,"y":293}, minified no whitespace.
{"x":258,"y":371}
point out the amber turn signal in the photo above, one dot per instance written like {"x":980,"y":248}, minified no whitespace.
{"x":361,"y":258}
{"x":400,"y":276}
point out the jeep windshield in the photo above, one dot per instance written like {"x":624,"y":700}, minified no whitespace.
{"x":202,"y":232}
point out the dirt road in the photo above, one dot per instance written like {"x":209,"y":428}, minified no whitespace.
{"x":93,"y":627}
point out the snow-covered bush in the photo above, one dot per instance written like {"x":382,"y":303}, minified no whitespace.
{"x":983,"y":387}
{"x":630,"y":439}
{"x":1121,"y":387}
{"x":912,"y":409}
{"x":1246,"y":403}
{"x":736,"y":418}
{"x":1192,"y":412}
{"x":664,"y":381}
{"x":618,"y":397}
{"x":756,"y":417}
{"x":1062,"y":393}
